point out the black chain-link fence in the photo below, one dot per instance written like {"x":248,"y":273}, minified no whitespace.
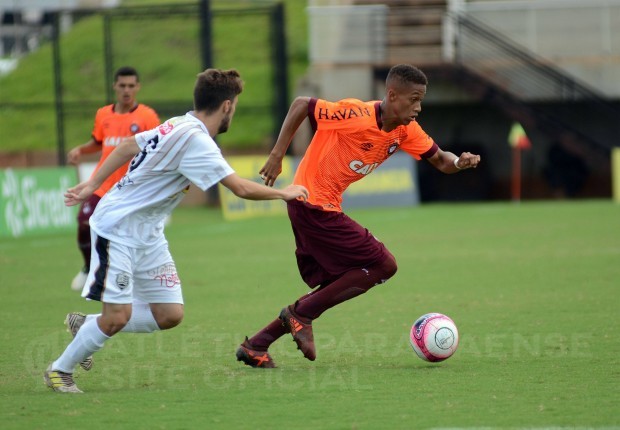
{"x":168,"y":45}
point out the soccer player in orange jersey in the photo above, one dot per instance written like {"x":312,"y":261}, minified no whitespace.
{"x":113,"y":122}
{"x":336,"y":256}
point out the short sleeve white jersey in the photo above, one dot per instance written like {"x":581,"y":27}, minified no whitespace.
{"x":172,"y":155}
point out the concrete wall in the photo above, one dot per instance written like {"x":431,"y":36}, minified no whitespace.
{"x":581,"y":37}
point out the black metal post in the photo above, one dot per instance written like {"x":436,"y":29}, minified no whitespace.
{"x":60,"y":117}
{"x":107,"y":60}
{"x":206,"y":51}
{"x":206,"y":39}
{"x":280,"y":73}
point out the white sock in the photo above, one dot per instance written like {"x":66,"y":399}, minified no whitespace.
{"x":90,"y":317}
{"x":142,"y":319}
{"x":88,"y":340}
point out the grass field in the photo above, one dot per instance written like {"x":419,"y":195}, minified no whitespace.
{"x":533,"y":288}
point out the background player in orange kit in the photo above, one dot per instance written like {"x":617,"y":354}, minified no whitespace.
{"x":113,"y":122}
{"x":336,"y":256}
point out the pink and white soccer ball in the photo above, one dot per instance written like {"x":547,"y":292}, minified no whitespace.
{"x":434,"y":337}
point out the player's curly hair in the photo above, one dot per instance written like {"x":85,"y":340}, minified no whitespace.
{"x":405,"y":74}
{"x":214,"y":86}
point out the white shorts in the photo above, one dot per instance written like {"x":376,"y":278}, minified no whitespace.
{"x":119,"y":273}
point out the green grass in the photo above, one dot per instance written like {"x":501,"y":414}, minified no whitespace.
{"x":533,"y":289}
{"x":166,"y":52}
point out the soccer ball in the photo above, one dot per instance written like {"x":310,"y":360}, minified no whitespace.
{"x":434,"y":337}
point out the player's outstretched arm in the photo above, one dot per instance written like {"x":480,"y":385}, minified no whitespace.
{"x":297,"y":112}
{"x":124,"y":152}
{"x":79,"y":193}
{"x":447,"y":162}
{"x":75,"y":155}
{"x":249,"y":190}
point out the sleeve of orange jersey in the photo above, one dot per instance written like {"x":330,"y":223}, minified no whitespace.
{"x":98,"y":127}
{"x":418,"y":144}
{"x":152,"y":120}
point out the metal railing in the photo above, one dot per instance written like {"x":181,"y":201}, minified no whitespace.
{"x":532,"y":80}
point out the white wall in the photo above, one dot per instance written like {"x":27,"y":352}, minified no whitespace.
{"x":581,"y":37}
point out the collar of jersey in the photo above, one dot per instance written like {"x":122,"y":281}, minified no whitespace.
{"x":193,"y":118}
{"x":378,"y":115}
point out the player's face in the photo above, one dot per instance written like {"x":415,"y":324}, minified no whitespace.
{"x":225,"y":124}
{"x":406,"y":102}
{"x":126,"y":89}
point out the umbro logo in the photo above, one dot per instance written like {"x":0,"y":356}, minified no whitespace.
{"x":367,"y":146}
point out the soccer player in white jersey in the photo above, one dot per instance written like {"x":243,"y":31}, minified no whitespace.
{"x":132,"y":272}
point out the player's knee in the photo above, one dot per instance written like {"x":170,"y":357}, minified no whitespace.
{"x":112,"y":324}
{"x":389,"y":266}
{"x":169,"y":319}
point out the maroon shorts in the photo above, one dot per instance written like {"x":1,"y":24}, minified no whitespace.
{"x":330,"y":243}
{"x":87,"y":208}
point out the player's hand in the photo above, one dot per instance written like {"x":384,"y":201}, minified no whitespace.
{"x":79,"y":193}
{"x":467,"y":160}
{"x":73,"y":156}
{"x":271,"y":170}
{"x":294,"y":191}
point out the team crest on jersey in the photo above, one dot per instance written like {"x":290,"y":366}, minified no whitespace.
{"x":134,"y":128}
{"x":165,"y":128}
{"x":393,"y":147}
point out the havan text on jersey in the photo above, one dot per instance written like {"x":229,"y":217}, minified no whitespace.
{"x":344,"y":113}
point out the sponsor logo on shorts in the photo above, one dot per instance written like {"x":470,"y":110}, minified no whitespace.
{"x":122,"y":280}
{"x":166,"y":275}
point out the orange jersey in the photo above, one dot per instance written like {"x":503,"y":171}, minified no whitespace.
{"x":348,"y":144}
{"x":111,"y":127}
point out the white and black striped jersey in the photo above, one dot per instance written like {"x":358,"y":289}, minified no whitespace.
{"x":173,"y":154}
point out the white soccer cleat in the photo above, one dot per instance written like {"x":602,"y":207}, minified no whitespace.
{"x":74,"y":321}
{"x":80,"y":279}
{"x":60,"y":381}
